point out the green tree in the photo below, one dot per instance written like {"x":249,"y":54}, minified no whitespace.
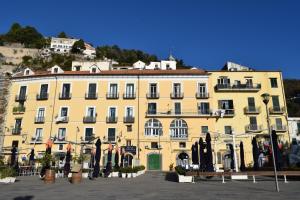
{"x":78,"y":46}
{"x":62,"y":35}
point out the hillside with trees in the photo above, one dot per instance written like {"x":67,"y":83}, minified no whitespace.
{"x":292,"y":93}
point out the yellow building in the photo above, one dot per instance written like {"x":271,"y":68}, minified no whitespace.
{"x":148,"y":112}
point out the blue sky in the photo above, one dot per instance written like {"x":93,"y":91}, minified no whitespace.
{"x":263,"y":34}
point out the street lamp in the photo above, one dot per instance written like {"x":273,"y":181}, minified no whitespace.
{"x":266,"y":98}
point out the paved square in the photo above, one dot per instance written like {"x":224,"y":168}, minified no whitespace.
{"x":148,"y":186}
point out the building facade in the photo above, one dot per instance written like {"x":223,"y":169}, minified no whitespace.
{"x":156,"y":115}
{"x":294,"y":128}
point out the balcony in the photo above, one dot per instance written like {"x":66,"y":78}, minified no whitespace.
{"x":88,"y":139}
{"x":21,"y":98}
{"x":128,"y":119}
{"x":152,"y":95}
{"x":16,"y":131}
{"x":39,"y":120}
{"x":111,"y":119}
{"x":129,"y":96}
{"x":89,"y":119}
{"x":177,"y":136}
{"x":19,"y":110}
{"x":182,"y":113}
{"x":253,"y":128}
{"x":201,"y":95}
{"x":62,"y":119}
{"x":252,"y":110}
{"x":279,"y":128}
{"x":42,"y":96}
{"x":112,"y":95}
{"x":91,"y":95}
{"x":61,"y":139}
{"x":176,"y":95}
{"x":35,"y":140}
{"x":238,"y":87}
{"x":65,"y":96}
{"x":277,"y":110}
{"x":224,"y":113}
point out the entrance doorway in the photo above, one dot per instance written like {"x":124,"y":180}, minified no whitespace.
{"x":154,"y":161}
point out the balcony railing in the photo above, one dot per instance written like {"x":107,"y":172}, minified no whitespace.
{"x":19,"y":109}
{"x":225,"y":113}
{"x":36,"y":140}
{"x":16,"y":131}
{"x":253,"y":128}
{"x":62,"y":119}
{"x":279,"y":128}
{"x":175,"y":136}
{"x":181,"y":113}
{"x":91,"y":95}
{"x":42,"y":96}
{"x":202,"y":95}
{"x":252,"y":110}
{"x":277,"y":110}
{"x":238,"y":87}
{"x":152,"y":95}
{"x":111,"y":119}
{"x":39,"y":120}
{"x":128,"y":119}
{"x":176,"y":95}
{"x":89,"y":119}
{"x":129,"y":96}
{"x":65,"y":96}
{"x":20,"y":98}
{"x":88,"y":139}
{"x":60,"y":140}
{"x":112,"y":95}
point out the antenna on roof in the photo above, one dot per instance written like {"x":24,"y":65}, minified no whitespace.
{"x":171,"y":57}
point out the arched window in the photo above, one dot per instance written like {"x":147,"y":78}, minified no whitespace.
{"x":179,"y":129}
{"x":153,"y":127}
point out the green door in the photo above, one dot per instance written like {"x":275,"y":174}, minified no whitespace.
{"x":154,"y":162}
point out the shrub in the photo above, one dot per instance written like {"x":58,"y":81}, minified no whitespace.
{"x":7,"y":172}
{"x":180,"y":170}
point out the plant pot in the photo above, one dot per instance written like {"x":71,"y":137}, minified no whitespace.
{"x":49,"y":176}
{"x":124,"y":175}
{"x":129,"y":175}
{"x":134,"y":175}
{"x":8,"y":180}
{"x":115,"y":174}
{"x":185,"y":179}
{"x":76,"y":177}
{"x":85,"y":175}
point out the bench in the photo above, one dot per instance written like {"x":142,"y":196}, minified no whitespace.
{"x":249,"y":173}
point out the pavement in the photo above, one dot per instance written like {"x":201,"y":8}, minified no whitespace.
{"x":151,"y":185}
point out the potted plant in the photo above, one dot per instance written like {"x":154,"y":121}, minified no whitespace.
{"x":46,"y":161}
{"x":181,"y":175}
{"x":129,"y":172}
{"x":134,"y":172}
{"x":7,"y":175}
{"x":123,"y":172}
{"x":85,"y":173}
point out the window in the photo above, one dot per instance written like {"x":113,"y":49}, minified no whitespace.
{"x":251,"y":104}
{"x":276,"y":105}
{"x":44,"y":90}
{"x":182,"y":145}
{"x":179,"y":129}
{"x":112,"y":112}
{"x":91,"y":112}
{"x":273,"y":82}
{"x":204,"y":129}
{"x":129,"y":128}
{"x":77,"y":68}
{"x":88,"y":134}
{"x":154,"y":145}
{"x":41,"y":113}
{"x":60,"y":147}
{"x":219,"y":158}
{"x":56,"y":69}
{"x":27,"y":72}
{"x":253,"y":123}
{"x":153,"y":127}
{"x":129,"y":89}
{"x":64,"y":112}
{"x":249,"y":83}
{"x":202,"y":89}
{"x":167,"y":66}
{"x":38,"y":134}
{"x":61,"y":136}
{"x":93,"y":70}
{"x":177,"y":89}
{"x":152,"y":108}
{"x":153,"y":89}
{"x":113,"y":89}
{"x":223,"y":81}
{"x":15,"y":143}
{"x":203,"y":108}
{"x":66,"y":89}
{"x":22,"y":92}
{"x":177,"y":106}
{"x":128,"y":143}
{"x":278,"y":124}
{"x":226,"y":105}
{"x":228,"y":130}
{"x":92,"y":91}
{"x":18,"y":124}
{"x":111,"y":135}
{"x":129,"y":112}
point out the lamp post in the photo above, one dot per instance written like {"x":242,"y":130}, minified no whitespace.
{"x":266,"y":98}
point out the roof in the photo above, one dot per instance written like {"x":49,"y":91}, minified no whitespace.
{"x":118,"y":73}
